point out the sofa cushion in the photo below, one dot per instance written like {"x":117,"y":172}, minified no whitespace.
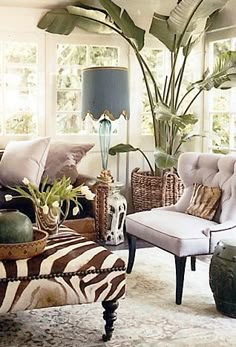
{"x":24,"y":159}
{"x":63,"y":158}
{"x":172,"y":231}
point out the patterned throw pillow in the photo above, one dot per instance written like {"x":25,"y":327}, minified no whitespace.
{"x":204,"y":201}
{"x":63,"y":158}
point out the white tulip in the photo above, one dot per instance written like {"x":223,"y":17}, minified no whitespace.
{"x":45,"y":209}
{"x":8,"y":197}
{"x":69,"y":187}
{"x":26,"y":181}
{"x":89,"y":195}
{"x":75,"y":210}
{"x":84,"y":190}
{"x":55,"y":204}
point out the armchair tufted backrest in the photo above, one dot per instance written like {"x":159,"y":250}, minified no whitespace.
{"x":214,"y":170}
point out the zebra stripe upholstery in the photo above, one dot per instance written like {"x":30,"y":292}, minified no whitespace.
{"x":71,"y":270}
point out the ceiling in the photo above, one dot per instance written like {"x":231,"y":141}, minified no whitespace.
{"x":154,"y":4}
{"x":140,"y":11}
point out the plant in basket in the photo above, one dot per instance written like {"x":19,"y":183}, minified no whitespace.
{"x":170,"y":106}
{"x":49,"y":199}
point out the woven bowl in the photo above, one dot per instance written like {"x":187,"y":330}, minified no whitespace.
{"x":24,"y":250}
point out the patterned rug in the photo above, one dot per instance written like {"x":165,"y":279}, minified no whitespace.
{"x":147,"y":317}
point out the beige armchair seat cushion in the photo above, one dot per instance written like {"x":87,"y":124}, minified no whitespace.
{"x":176,"y":232}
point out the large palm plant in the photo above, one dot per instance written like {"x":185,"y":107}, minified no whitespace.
{"x":179,"y":32}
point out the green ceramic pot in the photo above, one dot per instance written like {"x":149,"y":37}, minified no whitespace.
{"x":223,"y":277}
{"x":15,"y":227}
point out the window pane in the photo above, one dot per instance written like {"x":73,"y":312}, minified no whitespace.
{"x":69,"y":123}
{"x":221,"y":46}
{"x":69,"y":77}
{"x":68,"y":101}
{"x":103,"y":56}
{"x":155,"y":61}
{"x":147,"y":124}
{"x":71,"y":54}
{"x":22,"y":79}
{"x":220,"y":99}
{"x":20,"y":87}
{"x":234,"y":116}
{"x":20,"y":123}
{"x":221,"y":104}
{"x":221,"y":129}
{"x":18,"y":52}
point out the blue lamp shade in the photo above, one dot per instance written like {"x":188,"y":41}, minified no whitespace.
{"x":105,"y":91}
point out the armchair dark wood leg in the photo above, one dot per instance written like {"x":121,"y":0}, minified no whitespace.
{"x":132,"y":251}
{"x":110,"y":316}
{"x":193,"y":263}
{"x":180,"y":269}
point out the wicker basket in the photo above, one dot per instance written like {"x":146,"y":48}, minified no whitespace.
{"x":153,"y":191}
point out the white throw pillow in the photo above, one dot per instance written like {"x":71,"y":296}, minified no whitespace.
{"x":63,"y":158}
{"x":24,"y":159}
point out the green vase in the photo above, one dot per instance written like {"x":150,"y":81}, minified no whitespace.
{"x":15,"y":227}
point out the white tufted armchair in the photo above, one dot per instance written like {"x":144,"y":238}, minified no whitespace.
{"x":181,"y":234}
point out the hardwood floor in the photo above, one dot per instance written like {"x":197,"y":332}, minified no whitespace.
{"x":124,"y":245}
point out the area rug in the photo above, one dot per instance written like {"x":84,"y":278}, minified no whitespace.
{"x":147,"y":317}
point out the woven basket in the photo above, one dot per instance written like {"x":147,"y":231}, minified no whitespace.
{"x":26,"y":249}
{"x":153,"y":191}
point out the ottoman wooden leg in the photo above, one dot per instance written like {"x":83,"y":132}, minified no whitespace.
{"x":110,"y":316}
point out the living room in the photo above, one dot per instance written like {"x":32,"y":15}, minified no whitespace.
{"x":42,"y":89}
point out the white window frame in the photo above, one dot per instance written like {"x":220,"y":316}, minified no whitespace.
{"x":39,"y":40}
{"x":211,"y":37}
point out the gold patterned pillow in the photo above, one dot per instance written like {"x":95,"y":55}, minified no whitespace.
{"x":204,"y":201}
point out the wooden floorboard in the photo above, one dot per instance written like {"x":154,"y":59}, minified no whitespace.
{"x":124,"y":245}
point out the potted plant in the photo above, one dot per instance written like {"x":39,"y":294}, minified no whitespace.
{"x":48,"y":200}
{"x":179,"y":32}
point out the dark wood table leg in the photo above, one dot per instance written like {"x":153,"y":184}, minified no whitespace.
{"x":110,"y":316}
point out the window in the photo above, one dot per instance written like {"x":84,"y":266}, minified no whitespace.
{"x":66,"y":57}
{"x":155,"y":59}
{"x":158,"y":61}
{"x":19,"y":87}
{"x":221,"y":105}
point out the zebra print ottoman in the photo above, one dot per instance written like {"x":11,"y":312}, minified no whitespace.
{"x":71,"y":270}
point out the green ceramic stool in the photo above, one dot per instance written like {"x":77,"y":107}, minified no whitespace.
{"x":223,"y":277}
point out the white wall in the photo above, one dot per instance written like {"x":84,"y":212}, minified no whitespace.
{"x":226,"y":18}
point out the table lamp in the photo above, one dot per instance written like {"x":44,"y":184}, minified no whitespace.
{"x":105,"y":97}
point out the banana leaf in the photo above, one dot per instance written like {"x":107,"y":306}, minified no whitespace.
{"x":181,"y":121}
{"x":122,"y":148}
{"x":223,"y":75}
{"x":187,"y":19}
{"x":89,"y":23}
{"x":164,"y":160}
{"x":124,"y":22}
{"x":125,"y":148}
{"x":62,"y":21}
{"x":58,"y":21}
